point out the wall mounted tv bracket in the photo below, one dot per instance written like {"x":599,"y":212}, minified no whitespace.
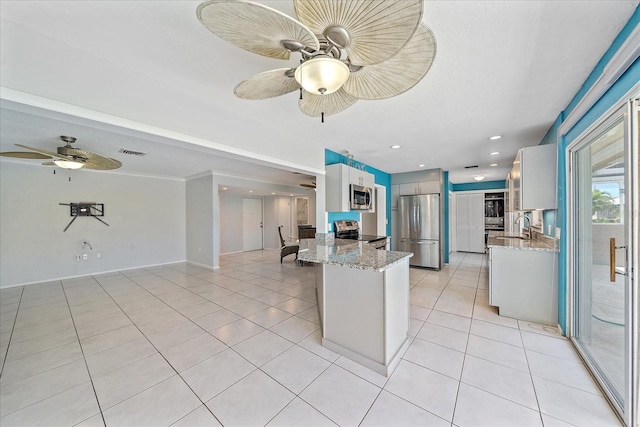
{"x":91,"y":209}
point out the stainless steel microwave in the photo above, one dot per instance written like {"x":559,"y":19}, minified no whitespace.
{"x":360,"y":197}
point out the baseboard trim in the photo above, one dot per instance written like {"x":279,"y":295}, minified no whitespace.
{"x":95,"y":273}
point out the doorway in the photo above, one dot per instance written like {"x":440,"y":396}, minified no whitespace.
{"x":251,"y":224}
{"x":603,"y":178}
{"x":375,"y":223}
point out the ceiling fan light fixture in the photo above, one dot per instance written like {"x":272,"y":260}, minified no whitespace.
{"x":322,"y":75}
{"x":68,"y":164}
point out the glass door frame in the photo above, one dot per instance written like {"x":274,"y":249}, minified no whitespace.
{"x":627,"y":108}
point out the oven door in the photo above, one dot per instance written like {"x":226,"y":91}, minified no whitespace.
{"x":360,"y":197}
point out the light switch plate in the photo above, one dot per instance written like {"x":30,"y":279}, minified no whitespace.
{"x":558,"y":232}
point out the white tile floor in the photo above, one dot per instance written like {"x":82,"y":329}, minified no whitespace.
{"x":180,"y":345}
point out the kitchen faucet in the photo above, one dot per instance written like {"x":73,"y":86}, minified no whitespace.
{"x":528,"y":219}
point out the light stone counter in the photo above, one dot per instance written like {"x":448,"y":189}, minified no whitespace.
{"x":349,"y":253}
{"x":498,"y":239}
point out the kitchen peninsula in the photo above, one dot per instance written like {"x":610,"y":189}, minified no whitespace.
{"x":363,"y":300}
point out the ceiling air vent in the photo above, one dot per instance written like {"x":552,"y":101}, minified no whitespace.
{"x":471,"y":167}
{"x":131,"y":152}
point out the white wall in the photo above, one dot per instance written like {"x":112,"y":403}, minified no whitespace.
{"x":230,"y":223}
{"x":199,"y":220}
{"x":146,"y":218}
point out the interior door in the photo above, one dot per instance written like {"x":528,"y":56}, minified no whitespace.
{"x":251,"y":224}
{"x":603,"y":177}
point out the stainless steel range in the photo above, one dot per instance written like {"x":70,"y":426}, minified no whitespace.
{"x":347,"y":229}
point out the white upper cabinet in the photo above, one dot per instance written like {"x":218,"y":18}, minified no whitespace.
{"x":362,"y":178}
{"x":424,"y":187}
{"x":533,"y":183}
{"x":337,"y":188}
{"x":338,"y":178}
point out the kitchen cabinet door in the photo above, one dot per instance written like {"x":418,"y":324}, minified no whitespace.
{"x":337,"y":188}
{"x":534,"y":176}
{"x":360,"y":177}
{"x":429,"y":187}
{"x":523,"y":284}
{"x":395,"y":193}
{"x":410,"y":189}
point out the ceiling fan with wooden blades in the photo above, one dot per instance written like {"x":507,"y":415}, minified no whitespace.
{"x":350,"y":49}
{"x":67,"y":157}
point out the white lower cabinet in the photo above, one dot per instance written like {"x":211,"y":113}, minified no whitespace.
{"x":523,"y":284}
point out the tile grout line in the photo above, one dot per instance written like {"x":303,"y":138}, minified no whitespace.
{"x":533,"y":384}
{"x":86,"y":365}
{"x":464,"y":358}
{"x":207,"y":332}
{"x":158,"y":351}
{"x":13,"y":327}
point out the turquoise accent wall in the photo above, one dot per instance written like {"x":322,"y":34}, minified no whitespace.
{"x":474,"y":186}
{"x":549,"y":217}
{"x":445,"y":200}
{"x":337,"y":216}
{"x":381,"y":178}
{"x":630,"y":78}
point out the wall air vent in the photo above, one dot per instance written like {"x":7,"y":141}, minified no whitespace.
{"x":471,"y":167}
{"x":131,"y":152}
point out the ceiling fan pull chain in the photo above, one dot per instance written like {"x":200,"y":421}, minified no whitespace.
{"x":300,"y":93}
{"x":322,"y":114}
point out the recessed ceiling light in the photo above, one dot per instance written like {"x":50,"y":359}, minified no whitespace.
{"x":495,"y":153}
{"x":493,"y":138}
{"x":421,"y":166}
{"x":493,"y":164}
{"x":291,"y":195}
{"x":395,"y":146}
{"x":273,"y":194}
{"x":478,"y":177}
{"x":224,"y":188}
{"x":250,"y":191}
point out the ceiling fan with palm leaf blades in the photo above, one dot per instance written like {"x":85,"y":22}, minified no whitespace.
{"x":66,"y":157}
{"x":351,"y":49}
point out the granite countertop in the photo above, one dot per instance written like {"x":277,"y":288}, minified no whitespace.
{"x":349,"y":253}
{"x":498,"y":239}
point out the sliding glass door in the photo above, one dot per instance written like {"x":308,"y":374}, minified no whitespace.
{"x":604,"y":169}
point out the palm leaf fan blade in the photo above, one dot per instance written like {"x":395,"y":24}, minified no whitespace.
{"x":377,"y":28}
{"x":399,"y":73}
{"x":254,"y":27}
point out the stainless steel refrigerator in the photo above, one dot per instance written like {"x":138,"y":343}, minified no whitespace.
{"x":419,"y":229}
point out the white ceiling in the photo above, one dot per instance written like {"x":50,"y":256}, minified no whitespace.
{"x":165,"y":86}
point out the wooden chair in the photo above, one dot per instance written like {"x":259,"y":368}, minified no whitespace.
{"x":287,"y":249}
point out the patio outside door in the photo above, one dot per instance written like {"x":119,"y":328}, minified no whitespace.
{"x":604,"y":167}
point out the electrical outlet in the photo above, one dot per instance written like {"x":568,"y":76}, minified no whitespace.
{"x":85,"y":257}
{"x":77,"y":257}
{"x":99,"y":255}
